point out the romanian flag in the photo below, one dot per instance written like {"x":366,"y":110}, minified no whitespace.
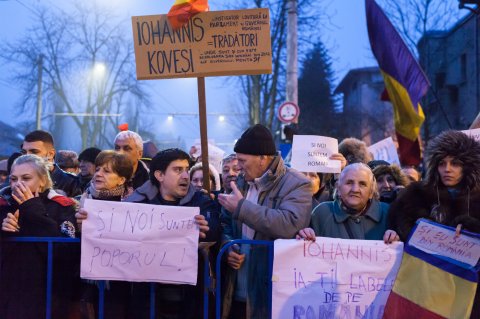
{"x":404,"y":80}
{"x":429,"y":285}
{"x":183,"y":10}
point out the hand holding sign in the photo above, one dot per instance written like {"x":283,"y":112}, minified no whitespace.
{"x":140,"y":242}
{"x":312,"y":153}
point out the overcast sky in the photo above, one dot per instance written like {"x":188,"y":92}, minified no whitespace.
{"x":346,"y":38}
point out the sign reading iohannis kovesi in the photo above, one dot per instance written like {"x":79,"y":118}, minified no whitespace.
{"x":216,"y":43}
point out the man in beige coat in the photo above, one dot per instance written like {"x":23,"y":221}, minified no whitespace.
{"x":268,"y":202}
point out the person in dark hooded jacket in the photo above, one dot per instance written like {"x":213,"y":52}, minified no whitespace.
{"x":450,"y":193}
{"x":390,"y":181}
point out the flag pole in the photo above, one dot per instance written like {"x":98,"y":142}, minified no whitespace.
{"x":202,"y":110}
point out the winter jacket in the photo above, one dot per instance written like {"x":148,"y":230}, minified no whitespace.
{"x":283,"y":208}
{"x":176,"y":301}
{"x":66,"y":182}
{"x":421,"y":201}
{"x":23,"y":265}
{"x":330,"y":219}
{"x":140,"y":176}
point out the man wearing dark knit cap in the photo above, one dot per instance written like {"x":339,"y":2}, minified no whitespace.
{"x":268,"y":202}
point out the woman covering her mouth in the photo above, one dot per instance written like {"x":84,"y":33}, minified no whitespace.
{"x":29,"y":207}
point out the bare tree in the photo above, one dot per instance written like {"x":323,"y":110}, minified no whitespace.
{"x":88,"y":67}
{"x":413,"y":18}
{"x":262,"y":94}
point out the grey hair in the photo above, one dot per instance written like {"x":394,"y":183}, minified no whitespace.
{"x":229,"y":158}
{"x":130,"y":134}
{"x":358,"y":166}
{"x":38,"y":164}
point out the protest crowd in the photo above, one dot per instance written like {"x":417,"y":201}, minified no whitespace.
{"x":256,"y":196}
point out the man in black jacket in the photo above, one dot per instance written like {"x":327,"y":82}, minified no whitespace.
{"x":41,"y":144}
{"x":169,"y":184}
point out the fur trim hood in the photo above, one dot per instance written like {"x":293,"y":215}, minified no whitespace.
{"x":461,"y":147}
{"x":397,"y":174}
{"x":213,"y":173}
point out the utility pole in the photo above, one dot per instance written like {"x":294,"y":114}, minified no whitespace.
{"x":39,"y":92}
{"x":292,"y":53}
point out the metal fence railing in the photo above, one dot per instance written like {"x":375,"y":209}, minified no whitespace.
{"x":218,"y":266}
{"x":50,"y":241}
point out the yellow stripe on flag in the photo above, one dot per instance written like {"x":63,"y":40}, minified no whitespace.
{"x":178,"y":2}
{"x":407,"y":120}
{"x":434,"y":289}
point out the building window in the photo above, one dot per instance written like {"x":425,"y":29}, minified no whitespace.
{"x":453,"y":95}
{"x":463,"y":67}
{"x":439,"y":80}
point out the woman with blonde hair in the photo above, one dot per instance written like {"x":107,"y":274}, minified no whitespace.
{"x":29,"y":207}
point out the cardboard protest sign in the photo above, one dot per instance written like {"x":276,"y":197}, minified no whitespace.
{"x":434,"y":239}
{"x":475,"y":133}
{"x":139,"y":242}
{"x":310,"y":153}
{"x":438,"y":276}
{"x":216,"y":43}
{"x":385,"y":150}
{"x":333,"y":278}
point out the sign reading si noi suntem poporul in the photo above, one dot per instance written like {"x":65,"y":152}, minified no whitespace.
{"x":213,"y":43}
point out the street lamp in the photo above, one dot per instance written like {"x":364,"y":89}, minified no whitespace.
{"x":99,"y":70}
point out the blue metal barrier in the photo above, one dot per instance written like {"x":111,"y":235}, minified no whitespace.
{"x":49,"y":241}
{"x":101,"y":284}
{"x":218,"y":288}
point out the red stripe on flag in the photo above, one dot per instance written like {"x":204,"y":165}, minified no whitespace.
{"x":179,"y":14}
{"x":398,"y":307}
{"x":408,"y":151}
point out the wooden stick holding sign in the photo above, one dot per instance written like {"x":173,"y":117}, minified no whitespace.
{"x":202,"y":108}
{"x":215,"y":43}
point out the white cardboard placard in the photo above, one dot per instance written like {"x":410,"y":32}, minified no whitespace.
{"x":333,"y":278}
{"x":385,"y":150}
{"x":139,"y":242}
{"x":438,"y":240}
{"x":310,"y":153}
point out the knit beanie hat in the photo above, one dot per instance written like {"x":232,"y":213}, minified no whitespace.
{"x":89,"y":154}
{"x":256,"y":140}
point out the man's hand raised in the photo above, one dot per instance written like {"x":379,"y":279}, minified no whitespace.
{"x":230,"y":201}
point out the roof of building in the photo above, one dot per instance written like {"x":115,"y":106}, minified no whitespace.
{"x":445,"y":33}
{"x":352,"y":75}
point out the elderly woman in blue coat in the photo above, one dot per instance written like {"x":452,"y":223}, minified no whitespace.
{"x":355,"y":213}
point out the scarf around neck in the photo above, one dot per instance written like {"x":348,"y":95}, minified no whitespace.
{"x":118,"y":191}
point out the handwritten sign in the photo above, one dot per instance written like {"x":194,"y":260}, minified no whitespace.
{"x":385,"y":150}
{"x":441,"y":241}
{"x":475,"y":133}
{"x":213,"y":43}
{"x":139,"y":242}
{"x":310,"y":153}
{"x":333,"y":278}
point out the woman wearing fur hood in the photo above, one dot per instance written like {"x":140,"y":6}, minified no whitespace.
{"x":450,"y":193}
